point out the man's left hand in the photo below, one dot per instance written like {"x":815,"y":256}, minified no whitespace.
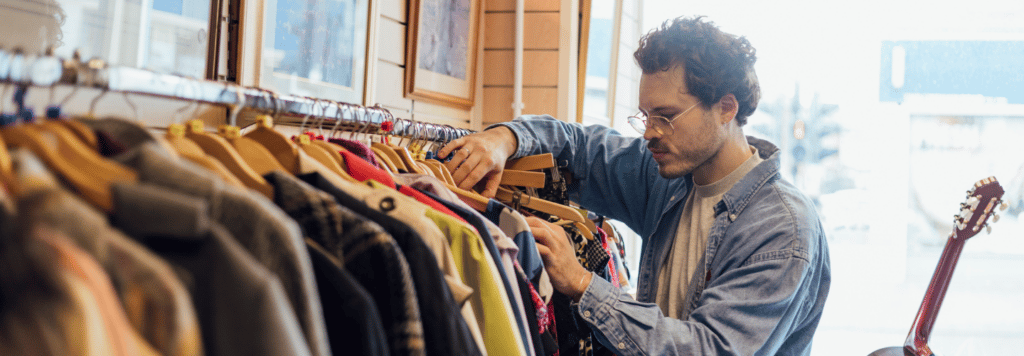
{"x":565,"y":271}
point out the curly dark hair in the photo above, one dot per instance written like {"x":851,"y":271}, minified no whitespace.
{"x":717,"y":63}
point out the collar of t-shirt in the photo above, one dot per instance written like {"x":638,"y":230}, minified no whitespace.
{"x":363,"y":171}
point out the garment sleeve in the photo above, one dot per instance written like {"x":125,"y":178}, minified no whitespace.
{"x":746,"y":311}
{"x":613,"y":174}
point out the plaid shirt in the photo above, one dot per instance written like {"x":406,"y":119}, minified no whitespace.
{"x":367,"y":252}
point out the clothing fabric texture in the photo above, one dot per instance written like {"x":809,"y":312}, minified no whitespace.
{"x":481,"y":272}
{"x":398,"y":214}
{"x":261,"y":227}
{"x":359,"y":149}
{"x":766,"y":266}
{"x":242,"y":306}
{"x":353,"y":322}
{"x":515,"y":226}
{"x":156,"y":303}
{"x":121,"y":337}
{"x":362,"y":171}
{"x":367,"y":252}
{"x":691,"y":240}
{"x":504,"y":250}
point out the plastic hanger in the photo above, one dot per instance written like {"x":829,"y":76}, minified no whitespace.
{"x":283,"y":149}
{"x":518,"y":199}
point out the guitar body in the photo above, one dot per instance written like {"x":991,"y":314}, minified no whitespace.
{"x":981,"y":202}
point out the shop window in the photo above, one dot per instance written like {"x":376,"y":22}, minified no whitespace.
{"x":885,"y":113}
{"x":168,"y":36}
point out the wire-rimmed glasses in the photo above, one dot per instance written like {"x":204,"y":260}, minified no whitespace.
{"x":660,"y":124}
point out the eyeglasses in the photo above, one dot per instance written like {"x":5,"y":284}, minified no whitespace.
{"x":660,"y":124}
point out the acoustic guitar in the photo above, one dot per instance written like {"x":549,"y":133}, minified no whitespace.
{"x":981,"y":202}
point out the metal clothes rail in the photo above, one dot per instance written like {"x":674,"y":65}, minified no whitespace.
{"x":47,"y":71}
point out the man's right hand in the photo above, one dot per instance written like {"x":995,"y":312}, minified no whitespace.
{"x":480,"y":156}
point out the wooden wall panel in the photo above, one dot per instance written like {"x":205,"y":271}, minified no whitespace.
{"x":536,"y":101}
{"x":390,"y":84}
{"x":431,"y":109}
{"x":441,"y":120}
{"x":391,"y":41}
{"x":539,"y":67}
{"x":394,"y":9}
{"x":541,"y":30}
{"x":531,"y":5}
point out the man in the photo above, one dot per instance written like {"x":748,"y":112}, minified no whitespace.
{"x":735,"y":259}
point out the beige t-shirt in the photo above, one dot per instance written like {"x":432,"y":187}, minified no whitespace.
{"x":692,"y":239}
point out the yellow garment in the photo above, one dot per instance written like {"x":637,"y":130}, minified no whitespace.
{"x":480,"y":271}
{"x":414,"y":213}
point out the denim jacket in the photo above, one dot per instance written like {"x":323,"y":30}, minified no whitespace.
{"x":765,"y":275}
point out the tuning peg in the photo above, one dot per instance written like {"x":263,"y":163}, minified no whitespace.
{"x":1004,"y":205}
{"x":995,"y":218}
{"x":988,"y":229}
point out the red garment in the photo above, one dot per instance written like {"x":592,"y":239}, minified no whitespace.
{"x":362,"y":171}
{"x":611,"y":261}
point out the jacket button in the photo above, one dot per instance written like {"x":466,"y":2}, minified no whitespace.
{"x":621,"y":345}
{"x":586,"y":313}
{"x":387,"y":204}
{"x":732,"y":217}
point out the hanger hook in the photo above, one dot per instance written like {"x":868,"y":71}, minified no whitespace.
{"x":302,"y":127}
{"x":357,"y":123}
{"x":366,"y":129}
{"x":338,"y":117}
{"x":92,"y":105}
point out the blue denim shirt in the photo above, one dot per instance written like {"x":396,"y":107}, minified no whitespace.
{"x":765,"y":275}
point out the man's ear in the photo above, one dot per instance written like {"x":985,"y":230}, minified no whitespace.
{"x":729,"y":107}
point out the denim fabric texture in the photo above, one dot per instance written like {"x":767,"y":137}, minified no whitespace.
{"x":765,"y":274}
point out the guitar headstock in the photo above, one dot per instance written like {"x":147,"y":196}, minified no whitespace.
{"x":980,"y":204}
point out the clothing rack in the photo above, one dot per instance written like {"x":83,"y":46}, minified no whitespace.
{"x":47,"y":71}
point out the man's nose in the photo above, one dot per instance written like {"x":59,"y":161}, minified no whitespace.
{"x":650,"y":133}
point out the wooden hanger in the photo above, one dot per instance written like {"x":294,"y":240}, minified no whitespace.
{"x":531,"y":163}
{"x":96,"y":191}
{"x":331,"y":149}
{"x":193,"y":153}
{"x":323,"y":156}
{"x":253,"y":153}
{"x":406,"y":157}
{"x":534,"y":203}
{"x":433,"y":170}
{"x":283,"y":149}
{"x":222,"y":150}
{"x":83,"y":156}
{"x":522,"y":178}
{"x":385,"y":159}
{"x":390,"y":156}
{"x":84,"y":133}
{"x":7,"y":170}
{"x":444,"y":171}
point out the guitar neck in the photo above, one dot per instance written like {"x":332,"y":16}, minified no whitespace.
{"x":917,"y":341}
